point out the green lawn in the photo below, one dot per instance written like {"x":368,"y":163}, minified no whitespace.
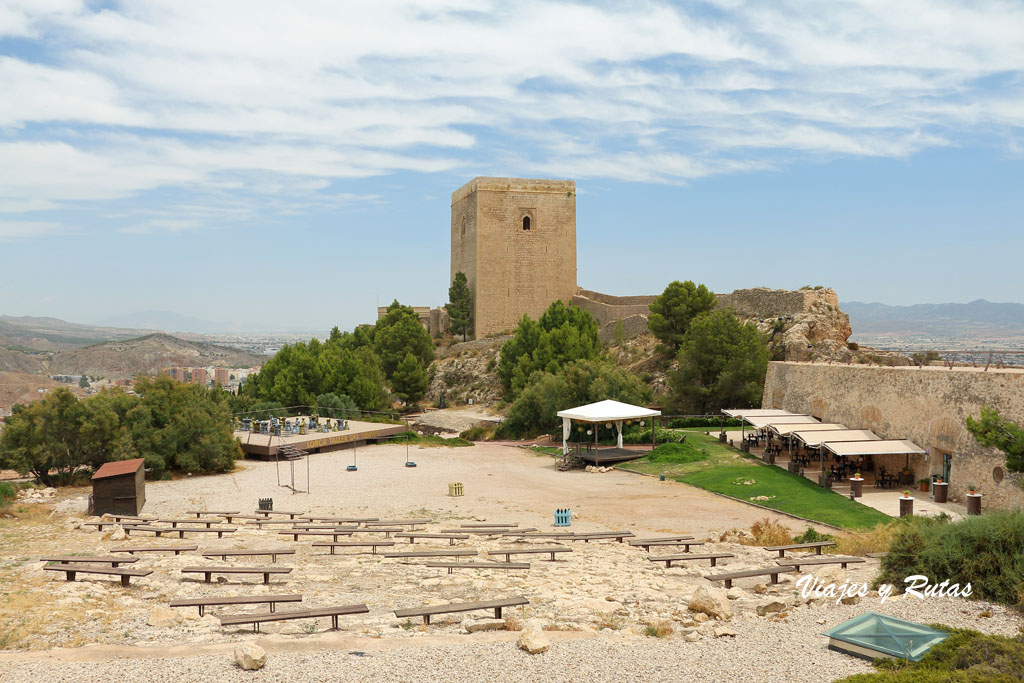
{"x":727,"y":470}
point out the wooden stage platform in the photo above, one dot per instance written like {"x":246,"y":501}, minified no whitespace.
{"x":266,"y":446}
{"x":610,"y":456}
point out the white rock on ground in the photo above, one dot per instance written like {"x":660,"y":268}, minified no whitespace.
{"x":475,"y":625}
{"x":250,"y":656}
{"x":711,"y":601}
{"x":533,"y":639}
{"x":164,"y":617}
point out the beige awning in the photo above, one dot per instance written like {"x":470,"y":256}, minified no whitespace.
{"x":787,"y":429}
{"x":754,"y":412}
{"x":813,"y":439}
{"x":760,"y":422}
{"x":881,"y":447}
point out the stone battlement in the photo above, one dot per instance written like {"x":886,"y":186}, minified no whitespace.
{"x":763,"y":302}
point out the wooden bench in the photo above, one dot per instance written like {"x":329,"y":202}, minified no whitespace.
{"x":198,"y":520}
{"x":490,"y":531}
{"x":396,"y":522}
{"x":646,"y":543}
{"x":216,"y":513}
{"x":877,"y":556}
{"x":208,"y":572}
{"x":566,"y":535}
{"x":267,"y":513}
{"x":412,"y":536}
{"x":295,"y":533}
{"x":203,"y":603}
{"x":817,"y":545}
{"x":669,"y":559}
{"x":488,"y":525}
{"x":430,"y":610}
{"x":73,"y":559}
{"x":129,"y":518}
{"x":509,"y":552}
{"x":354,"y":544}
{"x":70,"y":570}
{"x":272,"y":552}
{"x":237,"y":516}
{"x":99,"y":525}
{"x":587,"y":537}
{"x":797,"y":562}
{"x":432,"y":553}
{"x":257,"y":619}
{"x":220,"y":531}
{"x":452,"y":566}
{"x":770,"y":571}
{"x":387,"y":531}
{"x":661,"y":544}
{"x":157,"y":549}
{"x":341,"y":520}
{"x":262,"y":522}
{"x":158,"y":530}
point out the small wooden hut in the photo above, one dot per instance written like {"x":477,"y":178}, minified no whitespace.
{"x":119,"y":488}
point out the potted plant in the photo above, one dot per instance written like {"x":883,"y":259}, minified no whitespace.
{"x":923,"y":483}
{"x":938,"y":480}
{"x":971,"y":488}
{"x":856,"y":475}
{"x":906,"y":494}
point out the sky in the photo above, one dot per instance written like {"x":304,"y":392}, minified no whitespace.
{"x":290,"y":165}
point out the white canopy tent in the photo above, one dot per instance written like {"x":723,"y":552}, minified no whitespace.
{"x":880,"y":447}
{"x":765,"y":421}
{"x":813,"y":439}
{"x":608,"y":412}
{"x":754,"y":412}
{"x":787,"y":429}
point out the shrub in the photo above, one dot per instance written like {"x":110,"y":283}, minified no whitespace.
{"x":676,"y":453}
{"x":770,"y":532}
{"x":708,"y":421}
{"x":853,"y":346}
{"x":812,"y":535}
{"x":965,"y":657}
{"x":7,"y":494}
{"x":637,"y":435}
{"x":986,"y":551}
{"x":478,"y":434}
{"x":658,"y":629}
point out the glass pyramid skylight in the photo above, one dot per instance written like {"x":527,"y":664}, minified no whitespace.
{"x":874,"y":635}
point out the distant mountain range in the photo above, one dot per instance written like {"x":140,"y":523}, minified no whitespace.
{"x":979,"y":317}
{"x":53,"y":334}
{"x":168,"y":321}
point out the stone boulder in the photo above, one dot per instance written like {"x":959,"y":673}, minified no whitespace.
{"x":533,"y":639}
{"x":250,"y":656}
{"x":164,"y":617}
{"x":770,"y":607}
{"x":475,"y":625}
{"x":711,"y":601}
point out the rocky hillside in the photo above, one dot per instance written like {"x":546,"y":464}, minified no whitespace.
{"x":53,"y":334}
{"x":466,"y":371}
{"x":149,"y":354}
{"x":22,"y":387}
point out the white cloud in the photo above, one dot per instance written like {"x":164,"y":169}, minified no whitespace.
{"x":282,"y":101}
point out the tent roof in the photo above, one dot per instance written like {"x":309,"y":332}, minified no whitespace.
{"x":760,"y":422}
{"x":880,"y":447}
{"x":753,"y":412}
{"x":607,"y":411}
{"x":786,"y":429}
{"x":871,"y":634}
{"x":814,"y":439}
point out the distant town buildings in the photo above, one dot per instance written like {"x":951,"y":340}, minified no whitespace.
{"x":228,"y":378}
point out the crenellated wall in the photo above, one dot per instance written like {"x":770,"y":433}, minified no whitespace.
{"x":765,"y":303}
{"x":927,"y":405}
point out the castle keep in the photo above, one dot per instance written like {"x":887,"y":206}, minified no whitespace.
{"x":515,"y":239}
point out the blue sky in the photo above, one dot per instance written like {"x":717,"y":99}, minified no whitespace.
{"x":215,"y":158}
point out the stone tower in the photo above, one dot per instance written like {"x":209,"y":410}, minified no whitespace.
{"x":515,"y":239}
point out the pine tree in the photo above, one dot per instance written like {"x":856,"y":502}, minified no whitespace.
{"x":460,"y":306}
{"x":410,"y":379}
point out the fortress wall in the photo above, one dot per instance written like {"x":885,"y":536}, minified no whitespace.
{"x":926,"y":405}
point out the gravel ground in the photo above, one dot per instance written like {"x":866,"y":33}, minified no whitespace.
{"x":790,"y":649}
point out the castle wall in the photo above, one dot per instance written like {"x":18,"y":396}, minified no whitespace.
{"x":510,"y":270}
{"x":608,"y":309}
{"x":926,"y":405}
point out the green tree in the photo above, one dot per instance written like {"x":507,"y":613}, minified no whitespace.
{"x":993,"y":431}
{"x":562,"y":335}
{"x":460,"y":306}
{"x":578,"y":383}
{"x":674,"y":309}
{"x":336,"y":406}
{"x":84,"y":382}
{"x":399,"y":332}
{"x":410,"y":379}
{"x":722,"y":364}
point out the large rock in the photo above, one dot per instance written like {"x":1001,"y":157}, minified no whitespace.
{"x":116,"y":533}
{"x":711,"y":601}
{"x":770,"y":607}
{"x":250,"y":656}
{"x":533,"y":639}
{"x":474,"y":625}
{"x":164,"y":617}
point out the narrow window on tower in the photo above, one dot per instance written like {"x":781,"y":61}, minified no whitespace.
{"x":526,"y":222}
